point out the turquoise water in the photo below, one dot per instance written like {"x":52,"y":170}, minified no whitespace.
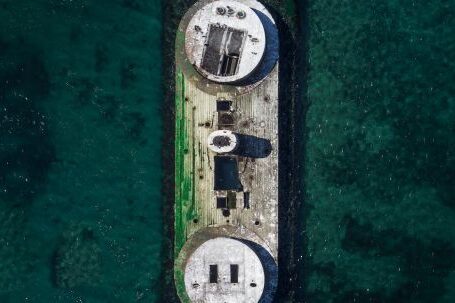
{"x":380,"y":152}
{"x":81,"y":132}
{"x":80,"y":156}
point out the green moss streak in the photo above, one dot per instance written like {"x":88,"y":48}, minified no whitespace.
{"x":183,"y":178}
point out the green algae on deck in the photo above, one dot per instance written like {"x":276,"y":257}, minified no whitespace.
{"x":184,"y":185}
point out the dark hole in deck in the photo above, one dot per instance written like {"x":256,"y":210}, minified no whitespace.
{"x":221,"y":202}
{"x":227,"y":174}
{"x":213,"y":273}
{"x":234,"y":273}
{"x":246,"y":200}
{"x":221,"y":141}
{"x":223,"y":105}
{"x":229,"y":64}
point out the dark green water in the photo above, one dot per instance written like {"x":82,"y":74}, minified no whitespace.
{"x":380,"y":152}
{"x":80,"y":151}
{"x":80,"y":156}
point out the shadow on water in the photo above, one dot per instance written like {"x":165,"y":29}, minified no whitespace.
{"x":293,"y":104}
{"x":302,"y":137}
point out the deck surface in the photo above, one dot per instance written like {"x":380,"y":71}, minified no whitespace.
{"x":256,"y":114}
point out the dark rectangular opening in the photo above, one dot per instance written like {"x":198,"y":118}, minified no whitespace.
{"x":212,"y":55}
{"x":222,"y":105}
{"x":229,"y":64}
{"x":232,"y":200}
{"x":234,"y":273}
{"x":222,"y":50}
{"x":221,"y":202}
{"x":227,"y":174}
{"x":246,"y":200}
{"x":231,"y":58}
{"x":213,"y":274}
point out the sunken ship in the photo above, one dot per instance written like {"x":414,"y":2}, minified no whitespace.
{"x":226,"y":153}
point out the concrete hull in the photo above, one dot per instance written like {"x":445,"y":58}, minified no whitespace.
{"x":253,"y":114}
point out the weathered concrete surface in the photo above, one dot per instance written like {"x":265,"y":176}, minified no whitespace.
{"x":223,"y":253}
{"x":235,"y":15}
{"x":290,"y":110}
{"x":254,"y":115}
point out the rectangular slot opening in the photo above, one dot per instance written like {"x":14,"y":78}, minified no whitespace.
{"x":223,"y":105}
{"x":221,"y":202}
{"x":213,"y":274}
{"x":246,"y":200}
{"x":234,"y":273}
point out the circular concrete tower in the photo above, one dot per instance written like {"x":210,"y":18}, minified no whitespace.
{"x":225,"y":41}
{"x":224,"y":270}
{"x":225,"y":264}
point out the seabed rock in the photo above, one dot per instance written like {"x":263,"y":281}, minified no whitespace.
{"x":77,"y":260}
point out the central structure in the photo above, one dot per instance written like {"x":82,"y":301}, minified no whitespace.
{"x":226,"y":153}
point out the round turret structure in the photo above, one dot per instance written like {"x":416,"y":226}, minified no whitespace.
{"x":225,"y":41}
{"x":224,"y":270}
{"x":226,"y":264}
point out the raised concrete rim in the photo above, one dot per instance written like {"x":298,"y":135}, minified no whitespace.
{"x":205,"y":84}
{"x":242,"y":249}
{"x":252,"y":52}
{"x":223,"y":149}
{"x":239,"y":233}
